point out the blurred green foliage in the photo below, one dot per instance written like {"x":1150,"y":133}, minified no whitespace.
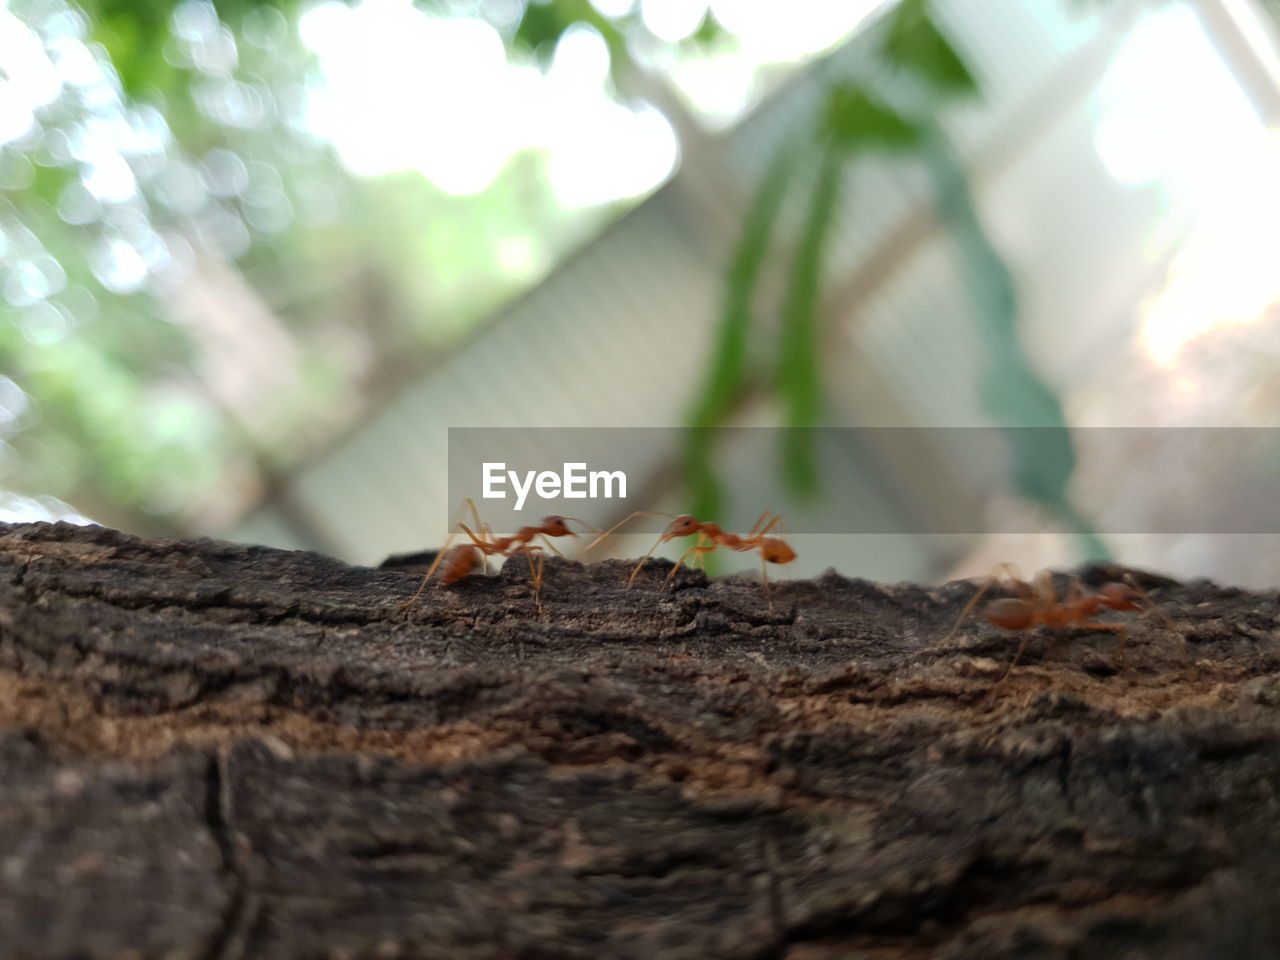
{"x":1042,"y":453}
{"x":729,"y":368}
{"x":120,"y":199}
{"x":914,"y":43}
{"x":130,"y":428}
{"x":195,"y":121}
{"x":544,"y":22}
{"x":858,"y":120}
{"x":136,"y":32}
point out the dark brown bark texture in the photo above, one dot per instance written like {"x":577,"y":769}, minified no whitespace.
{"x":215,"y":751}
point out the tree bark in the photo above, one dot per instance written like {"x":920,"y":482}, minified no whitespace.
{"x":215,"y":751}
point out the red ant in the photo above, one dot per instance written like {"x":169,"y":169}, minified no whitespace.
{"x":460,"y":561}
{"x":772,"y":549}
{"x":1037,"y":604}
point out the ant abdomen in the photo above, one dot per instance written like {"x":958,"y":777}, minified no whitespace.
{"x":459,"y":563}
{"x":1011,"y":614}
{"x":776,"y":551}
{"x":1119,"y":596}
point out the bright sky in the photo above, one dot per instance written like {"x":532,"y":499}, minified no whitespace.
{"x":726,"y":83}
{"x":405,"y":89}
{"x":1172,"y":116}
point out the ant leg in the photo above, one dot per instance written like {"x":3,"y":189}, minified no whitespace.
{"x":480,"y":541}
{"x":552,"y":546}
{"x":1022,"y":648}
{"x":484,"y":531}
{"x":475,"y":515}
{"x":643,"y":560}
{"x":1026,"y":638}
{"x":764,"y":579}
{"x":760,"y":522}
{"x":1018,"y":584}
{"x":968,"y":608}
{"x":443,"y":552}
{"x":768,"y":527}
{"x":697,"y":550}
{"x":542,"y":565}
{"x":483,"y":544}
{"x":1150,"y":605}
{"x":535,"y":571}
{"x":757,"y":533}
{"x":537,"y":579}
{"x":700,"y":558}
{"x":1024,"y":589}
{"x":483,"y":538}
{"x":435,"y":564}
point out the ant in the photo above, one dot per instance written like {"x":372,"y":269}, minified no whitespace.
{"x":772,"y":549}
{"x":461,"y":560}
{"x":1038,"y":604}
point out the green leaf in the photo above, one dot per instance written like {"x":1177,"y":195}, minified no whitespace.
{"x":799,"y":370}
{"x":915,"y":44}
{"x":709,"y":33}
{"x":1013,"y":393}
{"x":726,"y":375}
{"x":855,"y":119}
{"x":728,"y":366}
{"x":701,"y":480}
{"x":544,"y":23}
{"x":540,"y":28}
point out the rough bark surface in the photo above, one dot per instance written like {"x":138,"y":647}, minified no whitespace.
{"x":215,"y":751}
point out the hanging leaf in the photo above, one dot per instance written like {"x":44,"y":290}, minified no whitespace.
{"x":915,"y":44}
{"x":1012,"y":392}
{"x":799,"y":370}
{"x":855,"y":119}
{"x":708,"y":34}
{"x":726,"y":377}
{"x":729,"y":358}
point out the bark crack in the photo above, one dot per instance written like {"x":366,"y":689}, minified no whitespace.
{"x":231,"y":942}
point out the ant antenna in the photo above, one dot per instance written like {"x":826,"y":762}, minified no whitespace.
{"x":627,"y":519}
{"x":591,"y":527}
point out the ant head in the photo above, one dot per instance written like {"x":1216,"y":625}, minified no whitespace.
{"x":776,"y":551}
{"x":682,"y":526}
{"x":1119,"y":596}
{"x":556,"y":527}
{"x":1010,"y":614}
